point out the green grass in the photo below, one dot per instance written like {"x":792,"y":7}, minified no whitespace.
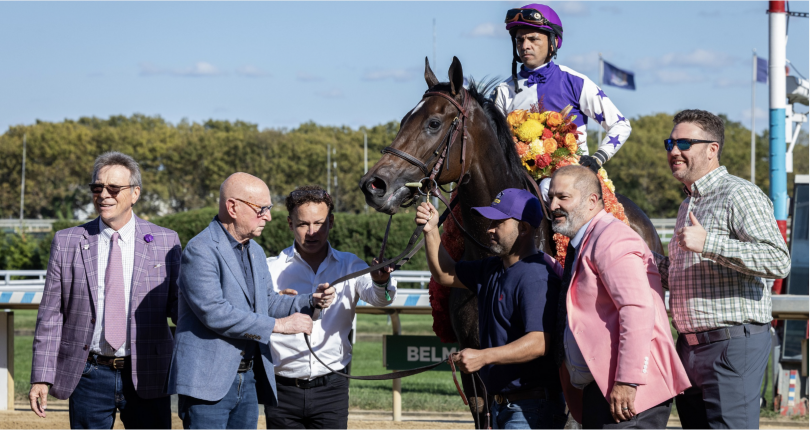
{"x":22,"y":365}
{"x":429,"y":391}
{"x":25,"y":319}
{"x":411,"y":324}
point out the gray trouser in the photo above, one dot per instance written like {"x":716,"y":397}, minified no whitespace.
{"x":726,"y":378}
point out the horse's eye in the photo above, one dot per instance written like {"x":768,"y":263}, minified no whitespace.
{"x":434,"y":124}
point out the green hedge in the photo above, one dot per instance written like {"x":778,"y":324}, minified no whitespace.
{"x":360,"y":234}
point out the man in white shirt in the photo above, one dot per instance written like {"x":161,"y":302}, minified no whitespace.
{"x":308,"y":395}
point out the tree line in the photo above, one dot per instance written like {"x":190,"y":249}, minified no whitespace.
{"x":183,"y":164}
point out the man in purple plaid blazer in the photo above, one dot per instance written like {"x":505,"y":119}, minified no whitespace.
{"x":102,"y":337}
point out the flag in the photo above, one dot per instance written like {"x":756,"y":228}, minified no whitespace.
{"x":762,"y":70}
{"x":617,"y":77}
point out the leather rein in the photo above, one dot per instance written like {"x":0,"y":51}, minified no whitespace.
{"x":442,"y":151}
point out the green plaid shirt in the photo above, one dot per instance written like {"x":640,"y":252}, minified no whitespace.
{"x":724,"y":285}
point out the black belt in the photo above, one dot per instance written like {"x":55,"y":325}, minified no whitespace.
{"x":244,"y":366}
{"x":725,"y":333}
{"x":307,"y":383}
{"x":116,"y":363}
{"x":523,"y":395}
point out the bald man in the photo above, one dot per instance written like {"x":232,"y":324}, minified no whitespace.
{"x":227,"y":311}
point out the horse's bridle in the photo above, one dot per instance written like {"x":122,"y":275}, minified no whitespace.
{"x":443,"y":149}
{"x":432,"y":187}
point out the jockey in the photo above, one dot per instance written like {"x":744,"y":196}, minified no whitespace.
{"x":532,"y":29}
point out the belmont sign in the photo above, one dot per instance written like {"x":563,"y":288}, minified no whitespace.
{"x":410,"y":352}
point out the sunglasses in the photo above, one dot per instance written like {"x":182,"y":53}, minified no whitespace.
{"x":683,"y":144}
{"x":262,"y":210}
{"x":531,"y":16}
{"x":112,"y":189}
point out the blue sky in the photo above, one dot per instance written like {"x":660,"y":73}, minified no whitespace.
{"x":280,"y":64}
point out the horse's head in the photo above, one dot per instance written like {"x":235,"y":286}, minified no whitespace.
{"x":422,"y":131}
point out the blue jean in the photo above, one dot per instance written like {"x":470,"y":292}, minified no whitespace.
{"x":239,"y":409}
{"x":529,"y":414}
{"x":102,"y":391}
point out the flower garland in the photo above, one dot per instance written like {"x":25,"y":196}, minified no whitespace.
{"x":546,"y":141}
{"x":453,"y":242}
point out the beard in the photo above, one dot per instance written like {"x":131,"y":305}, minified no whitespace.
{"x":573,"y":221}
{"x":504,"y":246}
{"x":695,"y":169}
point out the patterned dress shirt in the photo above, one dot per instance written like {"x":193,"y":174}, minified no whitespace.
{"x":725,"y":284}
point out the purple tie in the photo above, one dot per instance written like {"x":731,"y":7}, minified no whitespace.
{"x":115,"y":318}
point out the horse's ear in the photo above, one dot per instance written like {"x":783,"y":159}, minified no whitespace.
{"x":430,"y":78}
{"x":456,"y":76}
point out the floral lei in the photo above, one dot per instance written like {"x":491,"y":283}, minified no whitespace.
{"x":547,"y":140}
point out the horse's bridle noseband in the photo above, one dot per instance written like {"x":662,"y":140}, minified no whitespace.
{"x":443,"y":149}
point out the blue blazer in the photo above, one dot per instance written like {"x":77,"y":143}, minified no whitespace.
{"x":216,"y":318}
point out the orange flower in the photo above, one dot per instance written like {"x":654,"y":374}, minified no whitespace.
{"x":571,"y":143}
{"x":522,"y":148}
{"x":550,"y":145}
{"x":517,"y":117}
{"x":554,"y":119}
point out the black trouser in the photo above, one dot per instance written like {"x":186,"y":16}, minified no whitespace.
{"x":324,"y":407}
{"x":726,"y":377}
{"x":596,"y":413}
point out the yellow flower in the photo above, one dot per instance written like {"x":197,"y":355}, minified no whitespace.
{"x":536,"y":147}
{"x":543,"y":117}
{"x":536,"y":116}
{"x":603,"y":173}
{"x":610,"y":186}
{"x":517,"y":117}
{"x":528,"y":131}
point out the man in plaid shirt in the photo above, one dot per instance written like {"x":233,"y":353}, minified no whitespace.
{"x":726,"y":244}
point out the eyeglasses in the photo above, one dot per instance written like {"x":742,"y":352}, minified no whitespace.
{"x":112,"y":189}
{"x":263,"y":210}
{"x":683,"y":144}
{"x":531,"y":16}
{"x":318,"y":194}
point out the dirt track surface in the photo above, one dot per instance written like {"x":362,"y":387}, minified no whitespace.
{"x":58,"y":419}
{"x":20,"y":419}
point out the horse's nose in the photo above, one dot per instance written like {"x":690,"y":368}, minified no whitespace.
{"x":375,"y":186}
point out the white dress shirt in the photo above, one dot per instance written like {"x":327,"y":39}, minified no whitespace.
{"x":330,"y":334}
{"x":126,"y":240}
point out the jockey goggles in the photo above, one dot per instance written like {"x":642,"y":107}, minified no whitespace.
{"x":529,"y":16}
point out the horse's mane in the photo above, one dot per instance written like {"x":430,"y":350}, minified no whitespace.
{"x":479,"y":92}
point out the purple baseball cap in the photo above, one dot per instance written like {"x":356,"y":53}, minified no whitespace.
{"x":514,"y":203}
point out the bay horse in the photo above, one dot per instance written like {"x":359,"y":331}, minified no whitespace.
{"x":491,"y":164}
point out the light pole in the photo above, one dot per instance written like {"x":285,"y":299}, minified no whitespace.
{"x":365,"y":157}
{"x":22,"y":190}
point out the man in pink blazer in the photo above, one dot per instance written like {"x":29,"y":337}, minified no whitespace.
{"x":616,"y":343}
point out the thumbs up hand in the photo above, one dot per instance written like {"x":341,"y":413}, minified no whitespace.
{"x":691,"y":238}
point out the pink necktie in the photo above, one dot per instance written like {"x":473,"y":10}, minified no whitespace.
{"x":115,"y":317}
